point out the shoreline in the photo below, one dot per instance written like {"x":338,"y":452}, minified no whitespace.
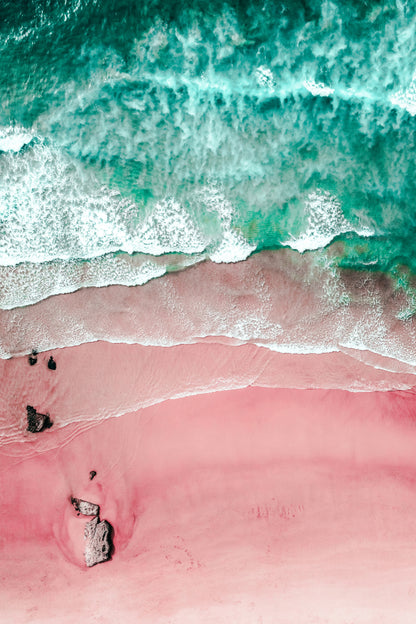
{"x":281,"y":301}
{"x":99,"y":380}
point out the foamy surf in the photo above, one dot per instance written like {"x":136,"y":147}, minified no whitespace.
{"x":55,"y":210}
{"x":281,"y":301}
{"x":28,"y":283}
{"x":325,"y":221}
{"x":131,"y":136}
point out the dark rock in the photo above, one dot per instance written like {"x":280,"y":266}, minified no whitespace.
{"x":33,"y":357}
{"x":86,"y":508}
{"x":37,"y":422}
{"x":92,"y":474}
{"x":99,"y":536}
{"x":51,"y":363}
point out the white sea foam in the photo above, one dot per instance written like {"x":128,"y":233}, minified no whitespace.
{"x":51,"y":208}
{"x":169,"y":228}
{"x":325,"y":222}
{"x":233,"y":248}
{"x":264,"y":77}
{"x":406,"y":98}
{"x":54,"y":209}
{"x":26,"y":283}
{"x":300,"y":348}
{"x":13,"y":138}
{"x":318,"y":88}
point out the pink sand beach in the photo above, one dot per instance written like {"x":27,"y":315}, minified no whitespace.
{"x":250,"y":505}
{"x":253,"y":441}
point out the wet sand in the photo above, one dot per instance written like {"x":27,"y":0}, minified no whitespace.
{"x":98,"y":380}
{"x":279,"y":300}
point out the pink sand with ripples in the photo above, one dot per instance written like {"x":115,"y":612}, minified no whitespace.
{"x":244,"y":483}
{"x":252,"y":505}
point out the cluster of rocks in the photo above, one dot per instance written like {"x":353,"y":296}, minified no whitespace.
{"x":98,"y":533}
{"x":37,"y":422}
{"x":33,"y":358}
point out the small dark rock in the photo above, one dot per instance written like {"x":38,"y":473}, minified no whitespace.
{"x":86,"y":508}
{"x":51,"y":363}
{"x":92,"y":474}
{"x":99,"y":536}
{"x":37,"y":422}
{"x":33,"y":357}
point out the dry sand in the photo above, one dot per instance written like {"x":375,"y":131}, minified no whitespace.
{"x":254,"y":505}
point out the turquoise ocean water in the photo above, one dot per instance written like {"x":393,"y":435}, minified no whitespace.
{"x":141,"y":137}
